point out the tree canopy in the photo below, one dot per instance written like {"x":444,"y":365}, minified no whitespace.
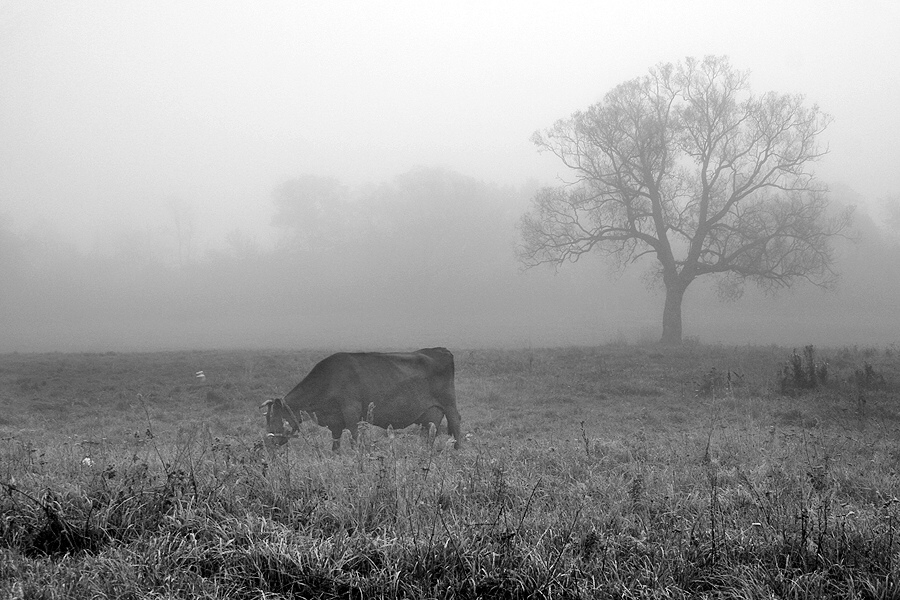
{"x":688,"y":165}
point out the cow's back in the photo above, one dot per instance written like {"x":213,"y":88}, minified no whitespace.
{"x":380,"y":373}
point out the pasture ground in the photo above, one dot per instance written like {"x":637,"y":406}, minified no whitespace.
{"x":618,"y":471}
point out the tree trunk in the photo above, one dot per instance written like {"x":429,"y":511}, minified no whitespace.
{"x":671,"y":334}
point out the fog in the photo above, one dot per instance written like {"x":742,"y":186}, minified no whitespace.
{"x":349,"y":175}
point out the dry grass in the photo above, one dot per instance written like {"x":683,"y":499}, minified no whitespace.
{"x":587,"y":472}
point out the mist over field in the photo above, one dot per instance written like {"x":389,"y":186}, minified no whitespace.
{"x":392,"y":270}
{"x":351,"y":177}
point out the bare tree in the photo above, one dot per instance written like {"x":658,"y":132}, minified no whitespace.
{"x":687,"y":165}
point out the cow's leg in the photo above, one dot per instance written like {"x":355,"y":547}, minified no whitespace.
{"x":453,"y":425}
{"x":432,"y":416}
{"x":427,"y":436}
{"x":336,"y":433}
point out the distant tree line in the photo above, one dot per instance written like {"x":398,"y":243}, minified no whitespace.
{"x":426,"y":258}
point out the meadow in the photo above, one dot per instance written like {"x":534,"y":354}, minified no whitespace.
{"x":618,"y":471}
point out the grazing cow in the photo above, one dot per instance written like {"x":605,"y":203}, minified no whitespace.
{"x":403,"y":387}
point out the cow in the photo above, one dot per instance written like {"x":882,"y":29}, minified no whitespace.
{"x":401,"y":387}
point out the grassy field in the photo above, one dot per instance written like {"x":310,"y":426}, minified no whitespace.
{"x":619,"y":471}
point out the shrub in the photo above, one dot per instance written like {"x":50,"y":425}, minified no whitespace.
{"x":797,"y":377}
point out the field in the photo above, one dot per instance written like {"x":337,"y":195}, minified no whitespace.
{"x":617,"y":471}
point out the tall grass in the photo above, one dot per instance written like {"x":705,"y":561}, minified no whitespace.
{"x":567,"y":488}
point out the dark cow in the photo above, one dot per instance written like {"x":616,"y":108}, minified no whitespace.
{"x":404,"y":387}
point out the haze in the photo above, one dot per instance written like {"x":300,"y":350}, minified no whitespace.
{"x":166,"y":129}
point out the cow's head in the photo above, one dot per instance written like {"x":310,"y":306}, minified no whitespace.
{"x":276,"y":416}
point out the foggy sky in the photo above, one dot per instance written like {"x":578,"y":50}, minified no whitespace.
{"x":110,"y":112}
{"x":123,"y":122}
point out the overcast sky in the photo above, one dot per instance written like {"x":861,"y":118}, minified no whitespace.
{"x":110,"y":110}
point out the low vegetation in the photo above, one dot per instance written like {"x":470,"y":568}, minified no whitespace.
{"x":618,"y":471}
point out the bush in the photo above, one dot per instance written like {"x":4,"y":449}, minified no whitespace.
{"x":797,"y":377}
